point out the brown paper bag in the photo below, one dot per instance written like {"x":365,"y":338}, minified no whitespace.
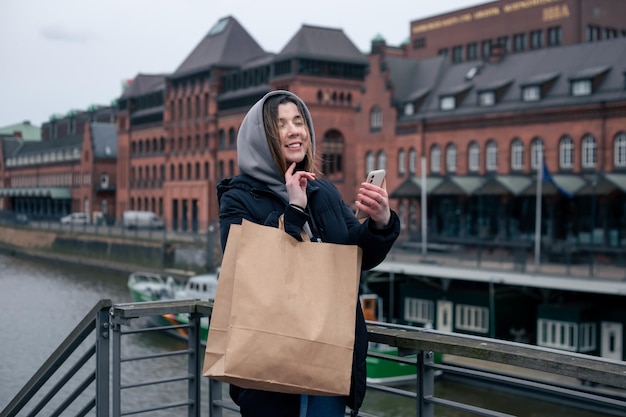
{"x":292,"y":314}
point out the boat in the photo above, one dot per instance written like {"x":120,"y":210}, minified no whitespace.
{"x":153,"y":287}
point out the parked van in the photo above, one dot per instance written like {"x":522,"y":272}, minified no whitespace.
{"x":134,"y":219}
{"x":75,"y":218}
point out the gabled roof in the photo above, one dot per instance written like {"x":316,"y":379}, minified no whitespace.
{"x":144,"y":84}
{"x":227,"y":44}
{"x":28,"y":131}
{"x":413,"y":78}
{"x":322,"y":43}
{"x":104,"y":137}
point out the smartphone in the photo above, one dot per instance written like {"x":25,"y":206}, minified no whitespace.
{"x":376,"y":177}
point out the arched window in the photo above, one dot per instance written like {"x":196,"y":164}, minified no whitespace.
{"x":473,"y":157}
{"x":332,"y":154}
{"x":401,"y":162}
{"x":536,"y":153}
{"x":435,"y":160}
{"x":376,"y":118}
{"x":382,"y":160}
{"x":517,"y":155}
{"x":232,"y":138}
{"x":620,"y":150}
{"x":369,"y":162}
{"x":222,"y":140}
{"x":491,"y":157}
{"x":412,"y":161}
{"x":566,"y":152}
{"x":589,"y":152}
{"x":451,"y":158}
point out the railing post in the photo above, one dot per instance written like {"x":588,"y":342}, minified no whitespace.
{"x":195,"y":361}
{"x":102,"y":363}
{"x":117,"y":364}
{"x":215,"y":396}
{"x":425,"y":384}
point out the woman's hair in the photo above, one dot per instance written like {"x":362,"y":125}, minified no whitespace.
{"x":270,"y":123}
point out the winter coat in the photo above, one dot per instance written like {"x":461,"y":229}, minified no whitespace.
{"x":331,"y":221}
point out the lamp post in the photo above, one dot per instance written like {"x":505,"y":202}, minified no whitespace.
{"x":594,"y":184}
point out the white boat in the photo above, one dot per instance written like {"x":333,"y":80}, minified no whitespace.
{"x":150,"y":286}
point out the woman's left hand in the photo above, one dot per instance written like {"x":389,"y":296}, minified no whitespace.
{"x":374,"y":201}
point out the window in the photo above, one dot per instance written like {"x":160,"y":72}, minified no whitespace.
{"x":457,"y":54}
{"x":486,"y":48}
{"x":589,"y":152}
{"x":517,"y":155}
{"x":435,"y":160}
{"x":412,"y":161}
{"x":610,"y":33}
{"x":536,"y":153}
{"x":620,"y":150}
{"x":487,"y":98}
{"x":587,"y":337}
{"x":472,"y":51}
{"x":519,"y":42}
{"x":472,"y":318}
{"x":566,"y":152}
{"x":555,"y":36}
{"x":401,"y":162}
{"x":369,"y":162}
{"x":473,"y":153}
{"x":222,"y":136}
{"x":581,"y":87}
{"x":451,"y":158}
{"x":376,"y":118}
{"x":503,"y":41}
{"x":536,"y":39}
{"x":382,"y":160}
{"x":557,"y":334}
{"x":409,"y":109}
{"x":593,"y":33}
{"x":419,"y":310}
{"x":531,"y":93}
{"x":447,"y":103}
{"x":491,"y":160}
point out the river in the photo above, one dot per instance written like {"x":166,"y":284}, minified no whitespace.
{"x":42,"y":302}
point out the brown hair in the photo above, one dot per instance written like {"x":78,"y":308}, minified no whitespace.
{"x":270,"y":123}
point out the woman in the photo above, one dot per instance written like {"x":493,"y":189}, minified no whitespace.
{"x":276,"y":155}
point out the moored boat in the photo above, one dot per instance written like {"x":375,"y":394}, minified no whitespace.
{"x":150,"y":286}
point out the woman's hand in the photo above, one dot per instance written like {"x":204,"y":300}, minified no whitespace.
{"x":296,"y":185}
{"x":374,"y":201}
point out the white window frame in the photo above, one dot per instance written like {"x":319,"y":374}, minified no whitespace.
{"x":566,"y":152}
{"x":581,"y":88}
{"x":531,"y":93}
{"x":376,"y":118}
{"x":435,"y":159}
{"x":619,"y":150}
{"x":557,"y":334}
{"x":381,"y":160}
{"x":451,"y":158}
{"x":471,"y":318}
{"x":412,"y":161}
{"x":536,"y":153}
{"x":419,"y":310}
{"x":586,"y":337}
{"x":589,"y":152}
{"x":473,"y":157}
{"x":447,"y":103}
{"x":517,"y":155}
{"x":487,"y":98}
{"x":409,"y":109}
{"x":370,"y":162}
{"x":401,"y":162}
{"x":491,"y":159}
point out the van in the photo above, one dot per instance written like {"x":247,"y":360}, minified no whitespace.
{"x":134,"y":219}
{"x":75,"y":218}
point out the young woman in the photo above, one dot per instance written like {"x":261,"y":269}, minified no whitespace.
{"x":276,"y":155}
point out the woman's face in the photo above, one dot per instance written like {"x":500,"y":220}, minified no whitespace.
{"x":294,"y":139}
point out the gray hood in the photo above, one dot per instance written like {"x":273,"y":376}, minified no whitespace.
{"x":253,"y":152}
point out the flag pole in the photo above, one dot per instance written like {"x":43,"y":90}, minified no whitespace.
{"x":423,"y":204}
{"x":538,"y":212}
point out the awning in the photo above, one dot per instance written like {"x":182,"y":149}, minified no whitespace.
{"x":412,"y":187}
{"x":457,"y":185}
{"x":568,"y":185}
{"x":619,"y":180}
{"x":54,"y":193}
{"x":504,"y":184}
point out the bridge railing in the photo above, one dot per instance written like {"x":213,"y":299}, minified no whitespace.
{"x":95,"y":351}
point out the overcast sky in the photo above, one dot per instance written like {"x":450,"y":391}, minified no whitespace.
{"x":59,"y":55}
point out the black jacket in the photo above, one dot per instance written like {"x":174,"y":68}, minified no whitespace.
{"x":332,"y":221}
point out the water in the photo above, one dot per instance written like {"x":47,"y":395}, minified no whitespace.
{"x":42,"y":302}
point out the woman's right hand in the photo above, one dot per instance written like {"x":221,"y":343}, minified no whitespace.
{"x":296,"y":182}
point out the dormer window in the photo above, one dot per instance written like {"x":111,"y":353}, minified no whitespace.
{"x":581,"y":88}
{"x":447,"y":103}
{"x":487,"y":98}
{"x":531,"y":93}
{"x":409,"y":109}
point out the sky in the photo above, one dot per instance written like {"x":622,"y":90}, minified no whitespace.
{"x":61,"y":55}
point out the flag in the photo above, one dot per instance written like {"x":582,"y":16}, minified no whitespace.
{"x":547,"y":177}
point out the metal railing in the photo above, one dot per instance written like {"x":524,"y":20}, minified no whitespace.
{"x":95,"y":352}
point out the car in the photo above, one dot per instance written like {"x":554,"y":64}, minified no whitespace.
{"x":75,"y":218}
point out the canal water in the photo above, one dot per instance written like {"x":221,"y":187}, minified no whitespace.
{"x":42,"y":302}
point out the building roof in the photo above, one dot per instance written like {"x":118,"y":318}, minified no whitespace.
{"x":104,"y":136}
{"x":227,"y":44}
{"x":144,"y":84}
{"x":554,"y":68}
{"x":26,"y":129}
{"x":322,"y":43}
